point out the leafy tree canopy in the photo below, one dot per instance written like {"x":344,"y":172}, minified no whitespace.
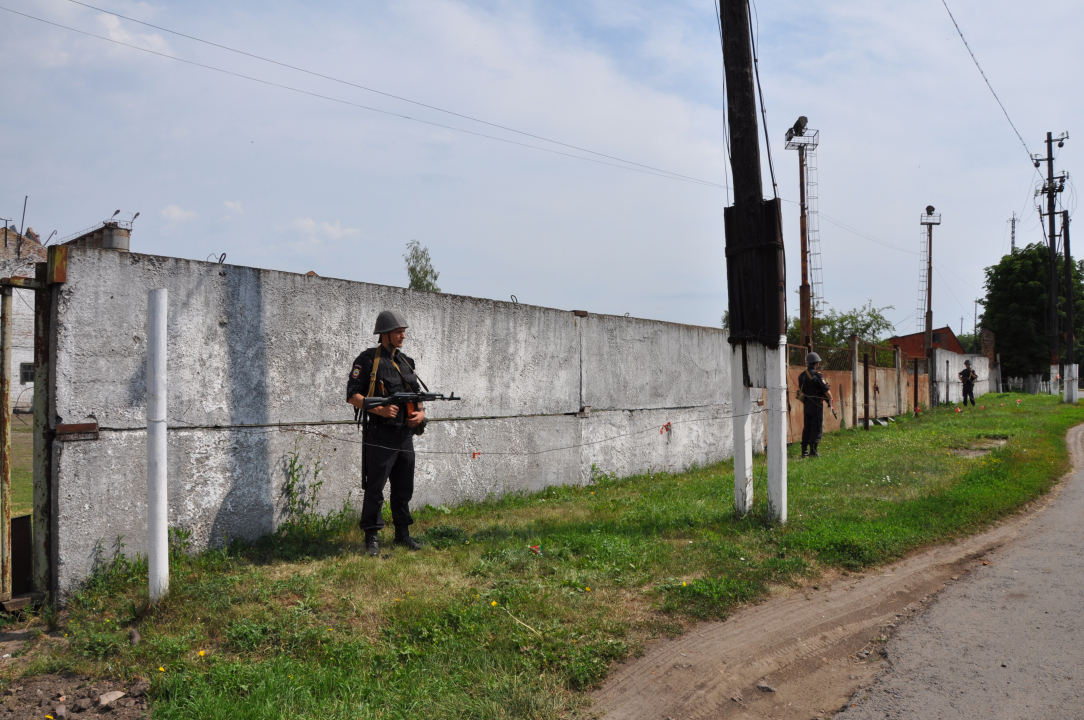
{"x":419,"y":268}
{"x":833,"y":327}
{"x":1016,"y":308}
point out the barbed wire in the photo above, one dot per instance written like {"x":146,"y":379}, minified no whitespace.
{"x":305,"y":429}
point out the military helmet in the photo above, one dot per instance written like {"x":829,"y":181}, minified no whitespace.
{"x":389,"y":320}
{"x":812,"y":358}
{"x":967,"y":362}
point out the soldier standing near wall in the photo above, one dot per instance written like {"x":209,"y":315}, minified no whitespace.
{"x":968,"y":378}
{"x":813,"y":391}
{"x":388,"y":437}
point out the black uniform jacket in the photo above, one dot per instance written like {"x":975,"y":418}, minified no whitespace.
{"x":813,"y":386}
{"x":394,"y":374}
{"x":968,"y":376}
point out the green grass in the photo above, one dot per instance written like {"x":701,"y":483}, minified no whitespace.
{"x":22,"y":465}
{"x":304,"y":625}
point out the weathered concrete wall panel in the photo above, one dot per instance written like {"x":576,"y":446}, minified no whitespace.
{"x":954,"y":389}
{"x":258,"y":362}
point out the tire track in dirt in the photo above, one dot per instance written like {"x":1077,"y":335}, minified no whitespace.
{"x":807,"y":644}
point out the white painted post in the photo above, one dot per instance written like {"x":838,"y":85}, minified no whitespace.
{"x":1054,"y":389}
{"x":743,"y":435}
{"x":157,"y":500}
{"x":1070,"y":391}
{"x":776,"y":370}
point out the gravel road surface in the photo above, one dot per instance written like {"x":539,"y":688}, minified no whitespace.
{"x":1006,"y":640}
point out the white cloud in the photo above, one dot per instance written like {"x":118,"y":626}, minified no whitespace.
{"x":317,"y":232}
{"x":112,"y":24}
{"x":174,"y":213}
{"x":234,"y":206}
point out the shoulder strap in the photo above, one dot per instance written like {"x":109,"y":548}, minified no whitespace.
{"x":404,"y":376}
{"x":372,"y":375}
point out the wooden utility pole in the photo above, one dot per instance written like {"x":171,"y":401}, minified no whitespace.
{"x":1051,"y":201}
{"x":756,"y":275}
{"x":805,"y":307}
{"x":1071,"y":381}
{"x":929,"y":220}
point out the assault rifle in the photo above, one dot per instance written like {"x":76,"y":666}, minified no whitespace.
{"x":410,"y":399}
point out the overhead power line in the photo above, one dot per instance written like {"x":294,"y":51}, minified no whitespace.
{"x":662,"y":174}
{"x":313,"y":73}
{"x":986,"y":80}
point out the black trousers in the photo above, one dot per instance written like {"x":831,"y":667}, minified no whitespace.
{"x":814,"y":421}
{"x":969,"y":392}
{"x":389,"y":459}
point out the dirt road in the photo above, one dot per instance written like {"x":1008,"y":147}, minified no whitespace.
{"x":808,"y":653}
{"x":1004,"y":643}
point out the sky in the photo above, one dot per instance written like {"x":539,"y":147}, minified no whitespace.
{"x":304,"y":179}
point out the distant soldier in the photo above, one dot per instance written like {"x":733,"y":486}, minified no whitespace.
{"x":813,"y":391}
{"x":968,"y":378}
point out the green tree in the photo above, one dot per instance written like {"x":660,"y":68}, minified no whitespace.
{"x":972,"y":343}
{"x":419,"y":268}
{"x":1016,"y":307}
{"x":833,"y":327}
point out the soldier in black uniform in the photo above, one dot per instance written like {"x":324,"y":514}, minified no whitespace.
{"x":968,"y":377}
{"x":814,"y":391}
{"x":388,"y":449}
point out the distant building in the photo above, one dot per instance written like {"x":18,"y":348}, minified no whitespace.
{"x":913,"y":344}
{"x":18,"y":255}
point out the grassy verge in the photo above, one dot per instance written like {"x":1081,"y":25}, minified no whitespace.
{"x":479,"y":625}
{"x":22,"y":465}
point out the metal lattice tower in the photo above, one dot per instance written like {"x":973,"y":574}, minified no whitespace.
{"x":813,"y":230}
{"x":921,"y":312}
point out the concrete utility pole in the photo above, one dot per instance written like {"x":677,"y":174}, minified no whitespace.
{"x":1051,"y":190}
{"x":1071,"y":368}
{"x":1051,"y":201}
{"x":1012,"y":241}
{"x":929,"y":220}
{"x":756,"y":276}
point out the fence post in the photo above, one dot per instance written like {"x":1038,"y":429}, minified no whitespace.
{"x":5,"y":438}
{"x":948,"y":395}
{"x":914,"y":407}
{"x":897,"y":357}
{"x":853,"y":341}
{"x":865,"y":365}
{"x":157,"y":499}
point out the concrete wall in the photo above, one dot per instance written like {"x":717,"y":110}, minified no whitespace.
{"x":258,"y":362}
{"x":954,"y":388}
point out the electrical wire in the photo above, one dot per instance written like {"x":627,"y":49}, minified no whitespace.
{"x":726,"y":125}
{"x":373,"y":90}
{"x":303,"y":428}
{"x":763,"y":110}
{"x":662,"y":174}
{"x":991,"y":87}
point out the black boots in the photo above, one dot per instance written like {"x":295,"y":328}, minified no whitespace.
{"x":403,"y":539}
{"x":372,"y":543}
{"x":805,"y":450}
{"x":813,"y":450}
